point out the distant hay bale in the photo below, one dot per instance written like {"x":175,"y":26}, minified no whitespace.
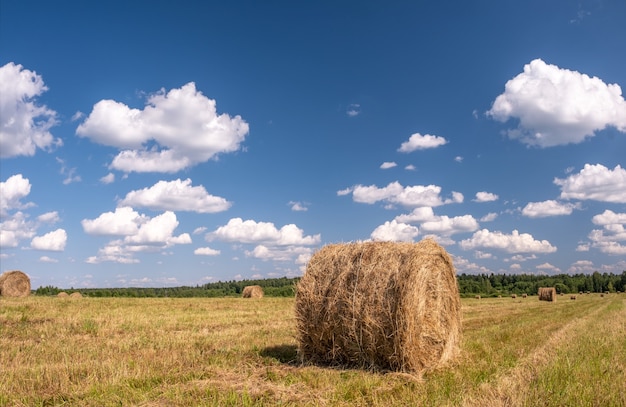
{"x":499,"y":296}
{"x":513,"y":295}
{"x":477,"y":297}
{"x":382,"y":305}
{"x":62,"y":294}
{"x":547,"y":294}
{"x":252,"y":291}
{"x":572,"y":297}
{"x":14,"y":284}
{"x":524,"y":295}
{"x":76,"y":294}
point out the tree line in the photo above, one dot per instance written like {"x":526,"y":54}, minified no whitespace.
{"x":469,"y":284}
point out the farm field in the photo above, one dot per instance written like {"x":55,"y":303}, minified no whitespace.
{"x":242,"y":352}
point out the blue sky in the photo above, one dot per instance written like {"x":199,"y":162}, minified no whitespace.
{"x":179,"y":143}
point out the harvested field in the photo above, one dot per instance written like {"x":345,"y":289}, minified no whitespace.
{"x":236,"y":352}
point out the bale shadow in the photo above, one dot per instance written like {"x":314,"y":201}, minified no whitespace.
{"x":287,"y":354}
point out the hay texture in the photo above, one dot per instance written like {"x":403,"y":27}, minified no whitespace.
{"x":14,"y":284}
{"x":252,"y":291}
{"x":547,"y":294}
{"x":63,"y":294}
{"x":380,"y":305}
{"x":76,"y":294}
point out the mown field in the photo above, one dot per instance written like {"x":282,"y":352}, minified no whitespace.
{"x":242,"y":352}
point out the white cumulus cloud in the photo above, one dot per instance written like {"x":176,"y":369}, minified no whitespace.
{"x":394,"y":231}
{"x":12,"y":191}
{"x":250,"y":231}
{"x":176,"y":195}
{"x":611,"y":239}
{"x":548,"y":208}
{"x":140,"y":234}
{"x":595,"y":182}
{"x":513,"y":243}
{"x":123,"y":222}
{"x":206,"y":251}
{"x":395,"y":193}
{"x":558,"y":106}
{"x":24,"y":125}
{"x":483,"y":196}
{"x":387,"y":164}
{"x":175,"y":130}
{"x":419,"y":142}
{"x":53,"y":241}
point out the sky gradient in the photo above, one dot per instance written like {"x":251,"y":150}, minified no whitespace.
{"x":179,"y":143}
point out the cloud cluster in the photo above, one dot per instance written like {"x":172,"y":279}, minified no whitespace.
{"x":284,"y":244}
{"x":174,"y":131}
{"x":15,"y":225}
{"x":612,"y":237}
{"x":139,"y":233}
{"x":24,"y":125}
{"x":595,"y":182}
{"x":557,"y":106}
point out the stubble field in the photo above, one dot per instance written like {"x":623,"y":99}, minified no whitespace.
{"x":242,"y":352}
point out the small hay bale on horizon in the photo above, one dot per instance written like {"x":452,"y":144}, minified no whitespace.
{"x":390,"y":306}
{"x":524,"y":295}
{"x":477,"y":297}
{"x":76,"y":294}
{"x":252,"y":291}
{"x":14,"y":284}
{"x":547,"y":294}
{"x":513,"y":295}
{"x":63,"y":294}
{"x":572,"y":297}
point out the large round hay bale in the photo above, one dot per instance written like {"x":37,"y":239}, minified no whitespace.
{"x":14,"y":284}
{"x":547,"y":294}
{"x":384,"y":305}
{"x":63,"y":294}
{"x":76,"y":294}
{"x":252,"y":291}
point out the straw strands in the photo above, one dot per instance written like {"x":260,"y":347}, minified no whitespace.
{"x":381,"y":305}
{"x":14,"y":284}
{"x":547,"y":294}
{"x":252,"y":291}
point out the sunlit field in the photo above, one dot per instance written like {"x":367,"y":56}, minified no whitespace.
{"x":234,"y":351}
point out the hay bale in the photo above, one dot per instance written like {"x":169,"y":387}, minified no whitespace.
{"x":513,"y":295}
{"x":62,"y":294}
{"x":14,"y":284}
{"x":572,"y":297}
{"x":477,"y":297}
{"x":252,"y":291}
{"x":547,"y":294}
{"x":76,"y":294}
{"x":524,"y":295}
{"x":383,"y":305}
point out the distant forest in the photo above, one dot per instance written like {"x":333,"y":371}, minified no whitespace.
{"x":486,"y":285}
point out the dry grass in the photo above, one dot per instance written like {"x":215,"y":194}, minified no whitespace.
{"x":14,"y":284}
{"x":236,"y":352}
{"x":380,"y":305}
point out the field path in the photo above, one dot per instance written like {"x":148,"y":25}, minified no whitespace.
{"x":511,"y":387}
